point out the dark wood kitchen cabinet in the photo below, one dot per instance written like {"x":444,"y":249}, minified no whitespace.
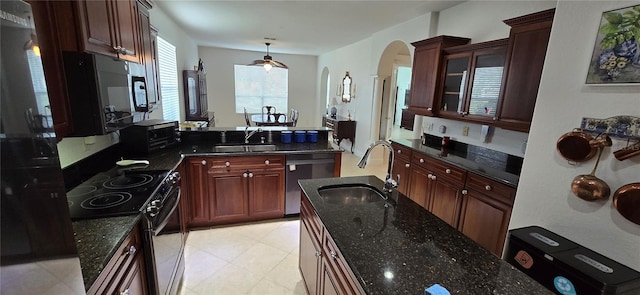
{"x":486,"y":210}
{"x":225,"y":190}
{"x":108,"y":27}
{"x":427,"y":63}
{"x":125,"y":272}
{"x":471,"y":81}
{"x":324,"y":271}
{"x":148,"y":51}
{"x":195,"y":95}
{"x":401,"y":167}
{"x":528,"y":40}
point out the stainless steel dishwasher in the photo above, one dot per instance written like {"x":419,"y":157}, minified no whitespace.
{"x":304,"y":166}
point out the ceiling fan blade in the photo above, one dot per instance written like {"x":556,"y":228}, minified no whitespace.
{"x":258,"y":62}
{"x":278,"y":64}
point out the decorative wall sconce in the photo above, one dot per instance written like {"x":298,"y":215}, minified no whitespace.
{"x":346,"y":89}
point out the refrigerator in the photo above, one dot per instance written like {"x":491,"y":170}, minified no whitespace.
{"x":38,"y":253}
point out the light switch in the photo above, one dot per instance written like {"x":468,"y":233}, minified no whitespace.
{"x":465,"y":131}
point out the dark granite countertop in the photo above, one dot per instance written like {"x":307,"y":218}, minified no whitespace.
{"x":97,"y":241}
{"x":500,"y":174}
{"x":403,"y":249}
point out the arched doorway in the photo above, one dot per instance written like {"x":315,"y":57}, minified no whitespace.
{"x":325,"y":82}
{"x":394,"y":77}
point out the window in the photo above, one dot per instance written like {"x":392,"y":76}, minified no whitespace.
{"x":168,"y":73}
{"x":256,"y":88}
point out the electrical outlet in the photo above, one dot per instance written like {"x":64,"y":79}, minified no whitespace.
{"x":465,"y":131}
{"x":430,"y":127}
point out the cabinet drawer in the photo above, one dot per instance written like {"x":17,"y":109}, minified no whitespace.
{"x":308,"y":216}
{"x":245,"y":162}
{"x":446,"y":170}
{"x":401,"y":151}
{"x":342,"y":270}
{"x":491,"y":188}
{"x":115,"y":269}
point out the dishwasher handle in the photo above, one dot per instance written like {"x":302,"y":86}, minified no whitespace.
{"x":310,"y":162}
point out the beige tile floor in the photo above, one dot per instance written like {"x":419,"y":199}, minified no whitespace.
{"x":256,"y":258}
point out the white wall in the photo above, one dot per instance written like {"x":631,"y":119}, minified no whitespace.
{"x":544,"y":197}
{"x":220,"y":62}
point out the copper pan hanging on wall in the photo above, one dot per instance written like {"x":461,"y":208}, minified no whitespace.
{"x":626,"y":200}
{"x":578,"y":146}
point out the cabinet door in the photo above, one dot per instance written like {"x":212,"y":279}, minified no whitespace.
{"x":202,"y":93}
{"x":485,"y":83}
{"x":266,"y":193}
{"x":147,"y":52}
{"x":134,"y":281}
{"x":228,"y":195}
{"x":484,"y":220}
{"x":456,"y":76}
{"x":197,"y":193}
{"x":310,"y":258}
{"x":525,"y":58}
{"x":419,"y":190}
{"x":330,"y":284}
{"x":126,"y":29}
{"x":423,"y":79}
{"x":401,"y":173}
{"x":192,"y":103}
{"x":446,"y":198}
{"x":98,"y":26}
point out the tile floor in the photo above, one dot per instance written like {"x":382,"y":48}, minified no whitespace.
{"x":256,"y":258}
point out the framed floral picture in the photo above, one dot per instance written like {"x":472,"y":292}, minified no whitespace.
{"x":616,"y":54}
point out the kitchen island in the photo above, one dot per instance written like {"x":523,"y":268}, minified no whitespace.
{"x":401,"y":248}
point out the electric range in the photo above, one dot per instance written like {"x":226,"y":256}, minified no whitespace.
{"x":114,"y":193}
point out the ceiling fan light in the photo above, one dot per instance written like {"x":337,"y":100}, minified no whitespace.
{"x":267,"y":62}
{"x":267,"y":66}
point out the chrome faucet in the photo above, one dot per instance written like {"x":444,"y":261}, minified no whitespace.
{"x":389,"y":183}
{"x":248,"y":134}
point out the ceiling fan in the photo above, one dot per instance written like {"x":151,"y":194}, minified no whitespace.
{"x":268,"y":62}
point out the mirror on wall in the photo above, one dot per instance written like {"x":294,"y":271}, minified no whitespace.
{"x":347,"y":89}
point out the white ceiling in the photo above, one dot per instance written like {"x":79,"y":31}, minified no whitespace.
{"x":307,"y":27}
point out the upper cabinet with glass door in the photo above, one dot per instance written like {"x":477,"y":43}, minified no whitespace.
{"x":472,"y":78}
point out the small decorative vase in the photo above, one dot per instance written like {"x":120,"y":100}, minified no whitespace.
{"x":627,"y":49}
{"x":334,"y":111}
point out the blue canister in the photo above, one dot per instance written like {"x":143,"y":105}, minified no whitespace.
{"x":285,"y":136}
{"x":299,"y":136}
{"x":312,"y":136}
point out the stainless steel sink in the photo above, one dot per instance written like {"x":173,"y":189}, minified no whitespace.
{"x":244,"y":148}
{"x":351,"y":194}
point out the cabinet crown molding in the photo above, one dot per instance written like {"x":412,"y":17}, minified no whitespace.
{"x":542,"y":16}
{"x":444,"y":39}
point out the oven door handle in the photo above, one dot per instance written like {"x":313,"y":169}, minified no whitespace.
{"x":158,"y":228}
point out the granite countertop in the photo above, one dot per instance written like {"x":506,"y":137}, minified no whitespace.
{"x":403,"y":249}
{"x":97,"y":241}
{"x":458,"y":159}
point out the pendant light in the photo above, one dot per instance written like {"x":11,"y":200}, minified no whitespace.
{"x":268,"y":62}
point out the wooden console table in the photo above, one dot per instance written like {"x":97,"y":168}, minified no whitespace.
{"x":342,"y":128}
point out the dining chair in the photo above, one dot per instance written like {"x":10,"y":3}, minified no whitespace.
{"x":294,"y":116}
{"x":246,"y":117}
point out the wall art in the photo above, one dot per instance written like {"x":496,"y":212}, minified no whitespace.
{"x":616,"y":53}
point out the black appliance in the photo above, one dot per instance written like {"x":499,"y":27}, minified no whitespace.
{"x":156,"y":195}
{"x":105,"y":94}
{"x":566,"y":267}
{"x":35,"y":228}
{"x":150,"y":135}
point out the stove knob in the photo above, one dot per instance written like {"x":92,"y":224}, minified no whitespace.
{"x":152,"y":210}
{"x":155,"y":203}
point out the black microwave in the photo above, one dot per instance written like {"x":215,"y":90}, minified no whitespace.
{"x":148,"y":136}
{"x":105,"y":94}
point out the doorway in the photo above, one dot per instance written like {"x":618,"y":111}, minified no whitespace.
{"x":393,"y":86}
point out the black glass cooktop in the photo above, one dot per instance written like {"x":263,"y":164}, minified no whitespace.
{"x":113,"y":193}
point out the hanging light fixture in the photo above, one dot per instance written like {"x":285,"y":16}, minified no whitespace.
{"x":268,"y":62}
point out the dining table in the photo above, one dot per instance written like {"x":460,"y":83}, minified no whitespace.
{"x":270,"y":120}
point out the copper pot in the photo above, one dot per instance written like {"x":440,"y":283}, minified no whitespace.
{"x":627,"y":201}
{"x":588,"y":187}
{"x":578,"y":146}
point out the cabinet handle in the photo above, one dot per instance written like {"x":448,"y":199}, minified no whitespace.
{"x":495,"y":118}
{"x":245,"y":175}
{"x":204,"y":162}
{"x":406,"y":165}
{"x":430,"y":176}
{"x":464,"y":192}
{"x":488,"y":187}
{"x":448,"y":171}
{"x":317,"y":254}
{"x":399,"y":152}
{"x":421,"y":160}
{"x":333,"y":254}
{"x":266,"y":162}
{"x":429,"y":109}
{"x":250,"y":174}
{"x":126,"y":292}
{"x":132,"y":250}
{"x":227,"y":163}
{"x":433,"y":177}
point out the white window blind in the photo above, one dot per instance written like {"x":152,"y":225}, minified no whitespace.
{"x":255,"y":88}
{"x":168,"y":73}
